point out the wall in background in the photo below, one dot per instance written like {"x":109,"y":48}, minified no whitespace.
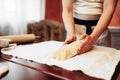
{"x":54,"y":10}
{"x":116,"y":17}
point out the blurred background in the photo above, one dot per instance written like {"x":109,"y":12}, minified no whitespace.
{"x":17,"y":15}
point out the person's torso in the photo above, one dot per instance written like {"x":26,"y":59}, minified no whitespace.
{"x":87,"y":7}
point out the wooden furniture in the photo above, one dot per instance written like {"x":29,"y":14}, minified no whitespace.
{"x":21,"y":69}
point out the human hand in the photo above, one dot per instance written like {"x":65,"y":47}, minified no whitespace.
{"x":87,"y":43}
{"x":69,"y":39}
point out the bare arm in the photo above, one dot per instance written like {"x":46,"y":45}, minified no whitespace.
{"x":67,"y":15}
{"x":108,"y":10}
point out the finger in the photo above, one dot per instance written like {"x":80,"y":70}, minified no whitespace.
{"x":88,"y":44}
{"x":87,"y":47}
{"x":79,"y":51}
{"x":82,"y":51}
{"x":83,"y":47}
{"x":84,"y":42}
{"x":83,"y":36}
{"x":67,"y":41}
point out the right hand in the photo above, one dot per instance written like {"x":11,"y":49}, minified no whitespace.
{"x":87,"y":43}
{"x":69,"y":39}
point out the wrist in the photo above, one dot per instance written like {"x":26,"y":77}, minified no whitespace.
{"x":71,"y":33}
{"x":93,"y":39}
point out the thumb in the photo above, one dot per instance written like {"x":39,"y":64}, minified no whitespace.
{"x":83,"y":36}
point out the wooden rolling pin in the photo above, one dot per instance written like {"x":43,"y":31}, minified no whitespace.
{"x":24,"y":38}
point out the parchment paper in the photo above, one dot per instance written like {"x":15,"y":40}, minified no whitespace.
{"x":99,"y":64}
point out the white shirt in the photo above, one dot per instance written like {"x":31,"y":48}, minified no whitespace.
{"x":87,"y":7}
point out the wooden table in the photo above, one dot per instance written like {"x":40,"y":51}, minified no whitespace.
{"x":21,"y":69}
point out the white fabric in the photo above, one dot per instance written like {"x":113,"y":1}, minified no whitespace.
{"x":100,"y":65}
{"x":88,"y":6}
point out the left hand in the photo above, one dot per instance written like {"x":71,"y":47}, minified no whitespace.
{"x":87,"y":43}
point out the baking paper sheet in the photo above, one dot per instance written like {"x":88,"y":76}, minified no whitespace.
{"x":100,"y":65}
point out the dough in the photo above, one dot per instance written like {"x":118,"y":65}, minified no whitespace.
{"x":67,"y":51}
{"x":3,"y":70}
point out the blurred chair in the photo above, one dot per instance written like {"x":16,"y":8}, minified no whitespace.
{"x":47,"y":30}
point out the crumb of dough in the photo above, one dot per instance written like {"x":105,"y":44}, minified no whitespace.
{"x":3,"y":70}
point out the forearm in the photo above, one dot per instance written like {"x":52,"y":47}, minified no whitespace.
{"x":103,"y":22}
{"x":69,"y":23}
{"x":101,"y":26}
{"x":67,"y":16}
